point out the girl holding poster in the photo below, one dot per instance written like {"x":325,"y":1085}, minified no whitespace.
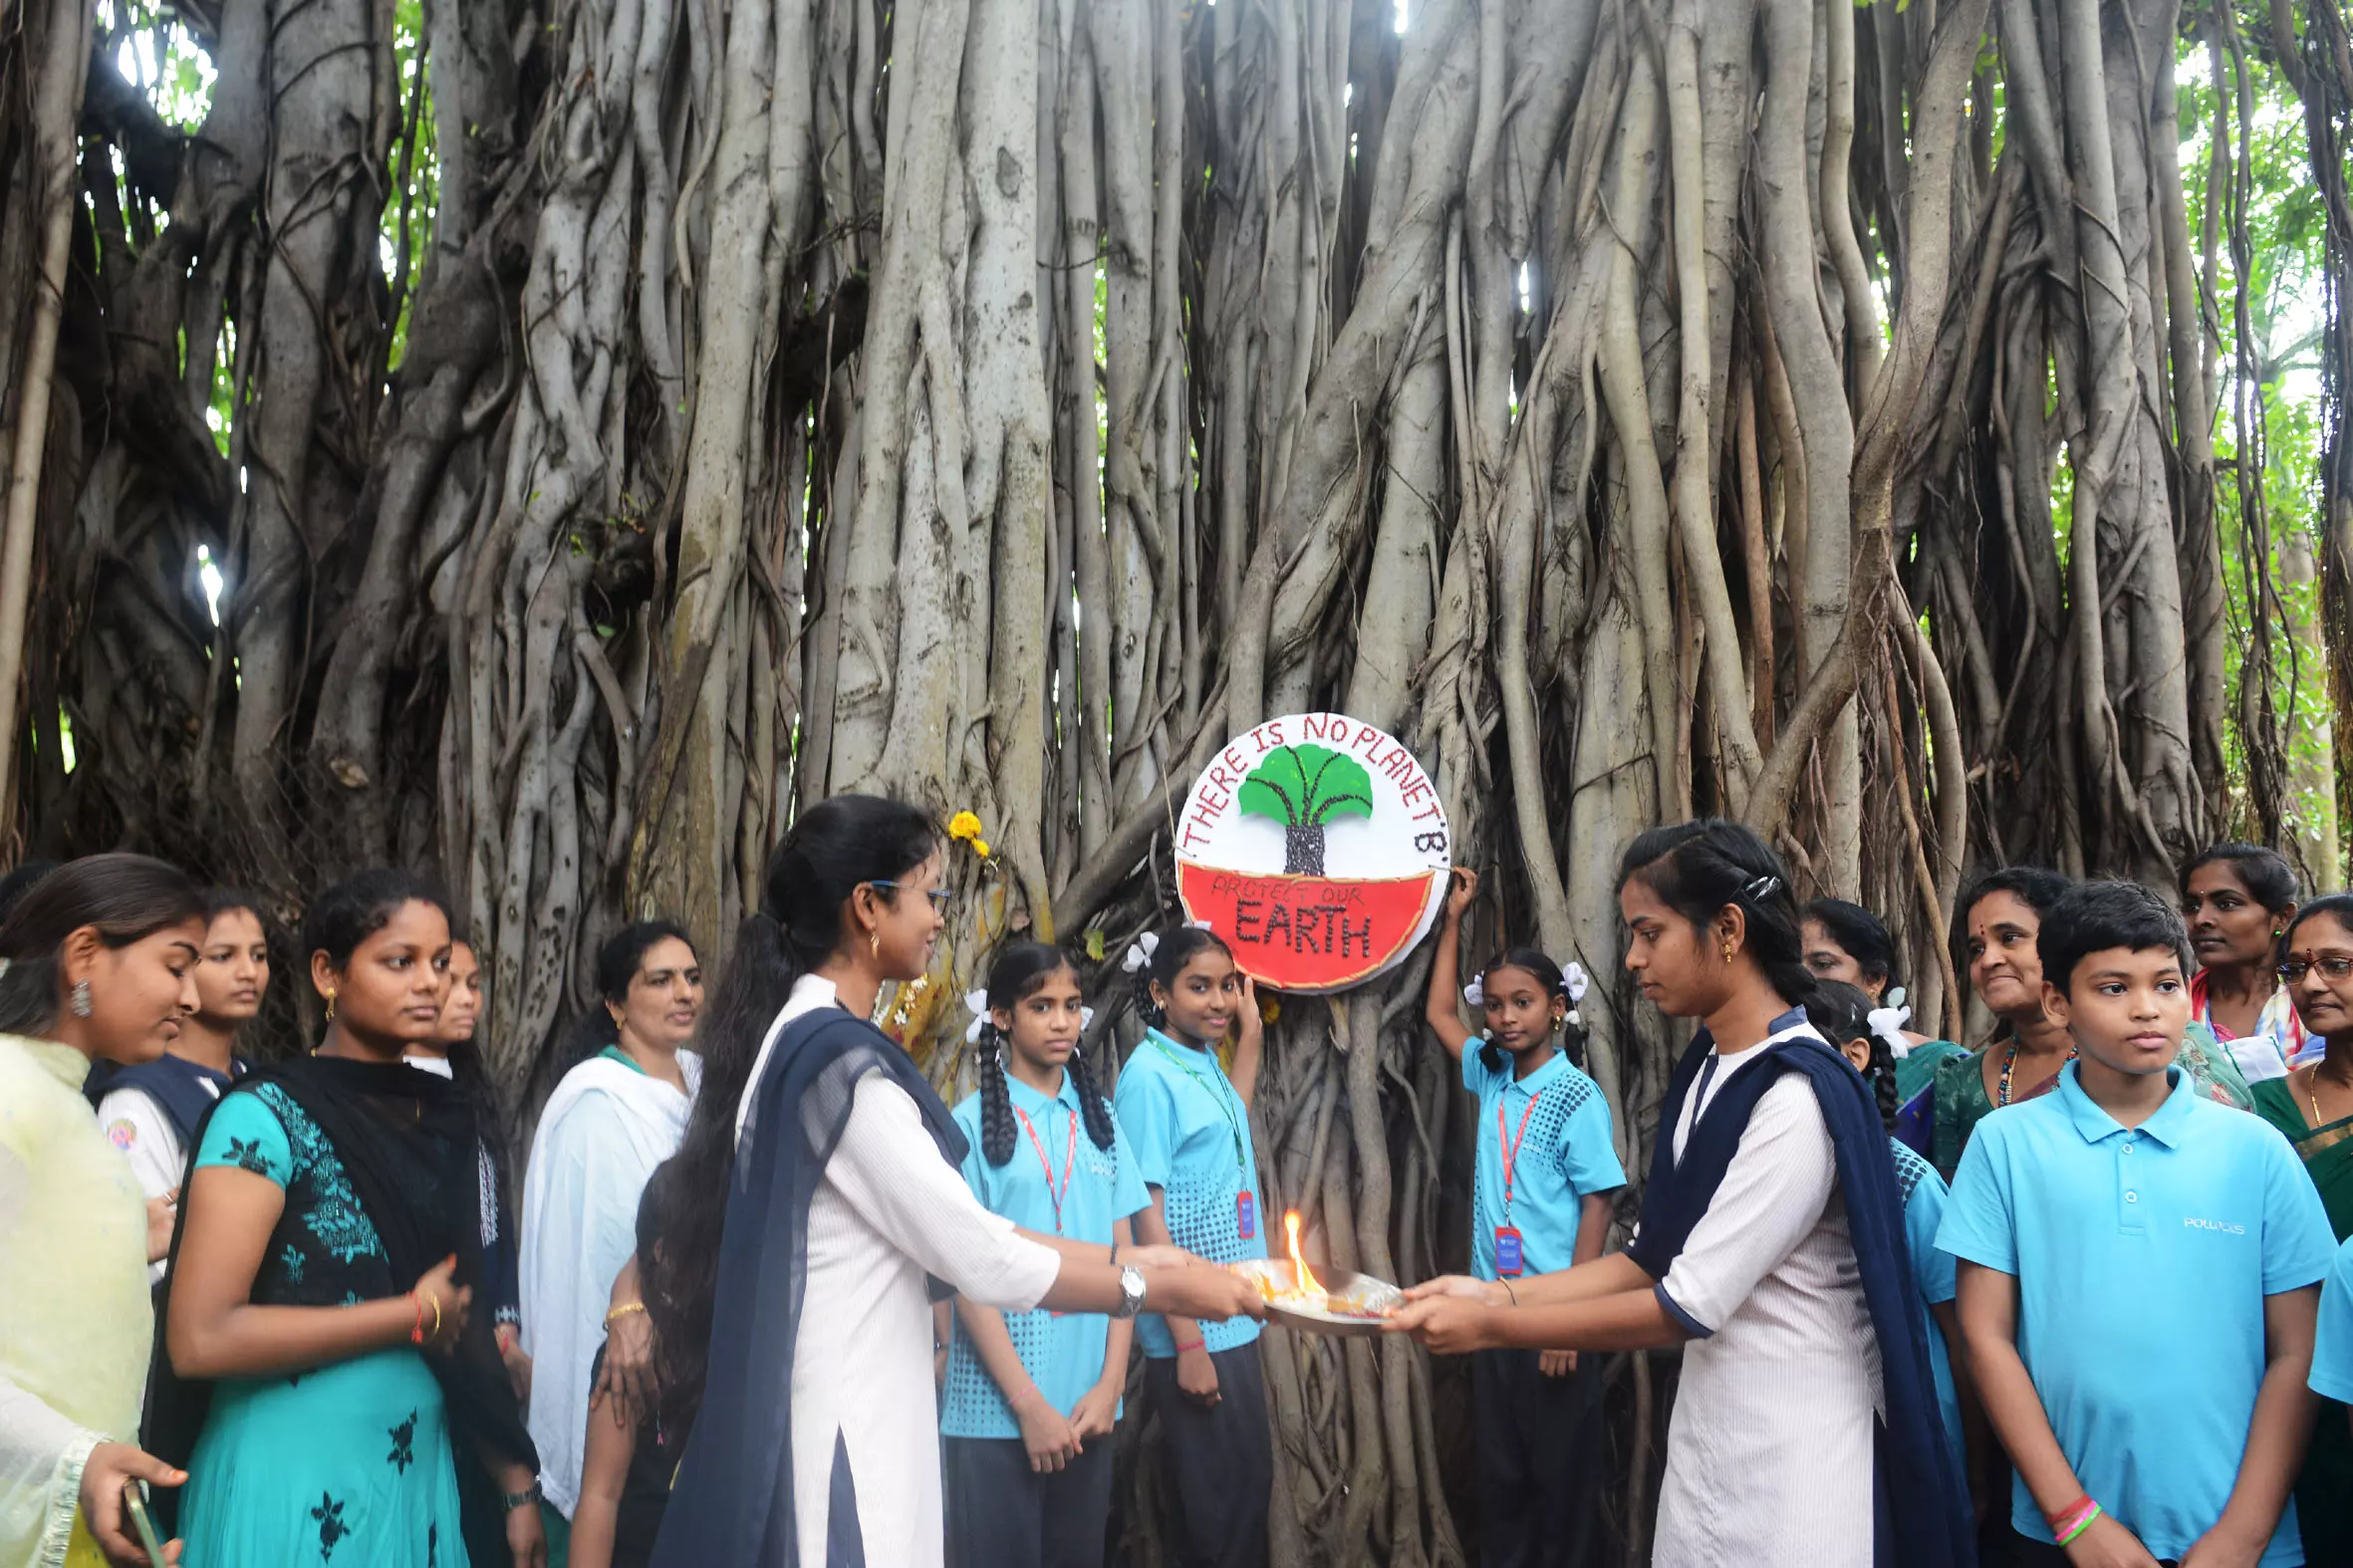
{"x":1540,"y":1204}
{"x":1190,"y":1125}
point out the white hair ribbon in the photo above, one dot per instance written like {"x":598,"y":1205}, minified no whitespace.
{"x":1574,"y":982}
{"x":1888,"y":1023}
{"x":977,"y":1003}
{"x":1201,"y":926}
{"x":1475,"y":993}
{"x":1896,"y":997}
{"x":1086,"y":1018}
{"x":1140,"y":952}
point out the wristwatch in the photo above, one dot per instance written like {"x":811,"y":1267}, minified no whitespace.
{"x":1131,"y":1292}
{"x":522,"y":1500}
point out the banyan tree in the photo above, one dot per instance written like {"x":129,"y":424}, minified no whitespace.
{"x":547,"y":440}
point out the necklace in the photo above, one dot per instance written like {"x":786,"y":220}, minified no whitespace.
{"x":2010,"y":1064}
{"x":2312,"y":1093}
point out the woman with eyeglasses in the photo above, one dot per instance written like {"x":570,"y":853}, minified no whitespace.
{"x":786,"y":1332}
{"x":2313,"y":1105}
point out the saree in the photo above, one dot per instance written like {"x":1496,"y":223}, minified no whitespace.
{"x":2277,"y":1043}
{"x":74,"y":1315}
{"x":2324,"y":1493}
{"x":605,"y":1129}
{"x":1915,"y":1092}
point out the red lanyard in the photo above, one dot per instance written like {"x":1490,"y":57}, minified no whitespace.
{"x":1509,"y":1147}
{"x":1070,"y":1157}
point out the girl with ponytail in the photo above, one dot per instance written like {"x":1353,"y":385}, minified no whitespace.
{"x":1541,"y":1202}
{"x":818,"y":1199}
{"x":1771,"y":1247}
{"x":1866,"y":1034}
{"x":1027,"y":1391}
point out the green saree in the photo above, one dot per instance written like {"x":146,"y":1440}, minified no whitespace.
{"x":2324,"y":1495}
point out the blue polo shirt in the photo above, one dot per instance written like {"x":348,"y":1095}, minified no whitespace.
{"x":1061,"y":1351}
{"x":1558,"y":1124}
{"x":2332,"y":1352}
{"x":1191,"y":1135}
{"x":1932,"y":1275}
{"x":2120,"y":1241}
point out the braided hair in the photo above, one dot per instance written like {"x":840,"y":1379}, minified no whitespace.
{"x":1174,"y":952}
{"x":1554,"y":984}
{"x":1843,"y":1013}
{"x":1016,"y":974}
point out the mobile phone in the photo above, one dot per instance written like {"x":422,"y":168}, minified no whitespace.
{"x":134,"y":1503}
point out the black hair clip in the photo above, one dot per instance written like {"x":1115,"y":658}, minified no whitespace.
{"x":1761,"y":888}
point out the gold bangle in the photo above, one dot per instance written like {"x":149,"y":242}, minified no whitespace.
{"x":623,"y":1311}
{"x":436,"y":1334}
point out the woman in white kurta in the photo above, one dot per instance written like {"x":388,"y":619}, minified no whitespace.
{"x":613,"y":1117}
{"x":1771,"y":1457}
{"x":832,"y":1200}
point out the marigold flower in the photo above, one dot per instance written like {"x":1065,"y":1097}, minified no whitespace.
{"x":980,"y":848}
{"x":964,"y":826}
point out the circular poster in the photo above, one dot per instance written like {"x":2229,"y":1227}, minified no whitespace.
{"x":1316,"y":846}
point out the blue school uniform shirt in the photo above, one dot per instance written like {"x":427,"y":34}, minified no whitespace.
{"x":1933,"y":1274}
{"x":1061,"y":1351}
{"x":2116,"y":1238}
{"x":1563,"y":1156}
{"x":2332,"y":1351}
{"x":1191,"y":1135}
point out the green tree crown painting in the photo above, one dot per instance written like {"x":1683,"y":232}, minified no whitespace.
{"x":1306,"y":789}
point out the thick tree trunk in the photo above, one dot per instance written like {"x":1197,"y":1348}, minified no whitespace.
{"x":619,"y":422}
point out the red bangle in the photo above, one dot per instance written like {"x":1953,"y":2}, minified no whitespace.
{"x":1196,"y":1344}
{"x":417,"y":1334}
{"x":2075,"y":1514}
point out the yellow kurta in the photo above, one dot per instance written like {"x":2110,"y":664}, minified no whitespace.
{"x":76,"y":1319}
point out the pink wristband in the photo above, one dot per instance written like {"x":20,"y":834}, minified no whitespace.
{"x":2069,"y":1521}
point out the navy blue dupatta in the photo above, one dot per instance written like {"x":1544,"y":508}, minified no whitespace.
{"x":1924,"y":1518}
{"x":733,"y":1499}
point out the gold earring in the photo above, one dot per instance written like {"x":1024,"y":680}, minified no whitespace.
{"x":874,"y":944}
{"x":330,"y":1007}
{"x":1727,"y":949}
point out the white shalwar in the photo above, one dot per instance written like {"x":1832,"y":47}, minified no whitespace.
{"x":1771,"y":1452}
{"x":889,"y":1213}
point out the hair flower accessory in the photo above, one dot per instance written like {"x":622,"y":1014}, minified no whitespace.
{"x":1573,"y":980}
{"x":976,"y":1001}
{"x":1475,"y":993}
{"x":1888,"y":1023}
{"x":1896,"y":997}
{"x":1140,"y":952}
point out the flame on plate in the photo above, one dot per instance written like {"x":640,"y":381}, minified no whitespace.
{"x":1309,"y":1291}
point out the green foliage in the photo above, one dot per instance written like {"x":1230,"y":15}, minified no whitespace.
{"x":1307,"y":786}
{"x":2286,"y":232}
